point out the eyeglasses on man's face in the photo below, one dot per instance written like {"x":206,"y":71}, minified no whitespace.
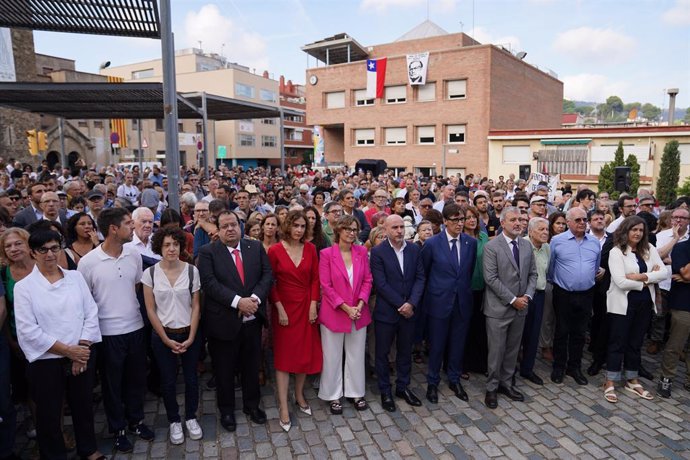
{"x":455,"y":220}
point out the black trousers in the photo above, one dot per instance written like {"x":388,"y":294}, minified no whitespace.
{"x":50,"y":385}
{"x":599,"y":328}
{"x":124,"y":378}
{"x":403,"y":333}
{"x":243,"y":353}
{"x":626,"y":335}
{"x":573,"y":310}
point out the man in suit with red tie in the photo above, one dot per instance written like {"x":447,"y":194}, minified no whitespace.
{"x":236,"y":279}
{"x":448,"y":260}
{"x":396,"y":267}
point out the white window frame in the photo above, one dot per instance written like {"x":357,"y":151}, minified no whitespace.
{"x":247,"y":140}
{"x":361,"y":99}
{"x":395,"y":94}
{"x":456,"y":89}
{"x":423,"y":132}
{"x":364,"y":137}
{"x":268,"y":141}
{"x":267,"y":95}
{"x":426,"y":93}
{"x":395,"y":135}
{"x":335,"y":100}
{"x":456,"y":129}
{"x":143,"y":73}
{"x":244,"y":90}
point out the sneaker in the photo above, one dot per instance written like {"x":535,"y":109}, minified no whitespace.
{"x":142,"y":431}
{"x":122,"y":444}
{"x":176,"y":433}
{"x":664,"y":387}
{"x":194,"y":429}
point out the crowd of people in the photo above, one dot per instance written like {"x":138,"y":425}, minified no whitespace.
{"x":336,"y":274}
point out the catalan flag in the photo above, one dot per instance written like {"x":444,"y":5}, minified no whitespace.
{"x":119,"y":126}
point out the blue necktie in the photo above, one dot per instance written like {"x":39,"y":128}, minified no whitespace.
{"x":454,"y":253}
{"x":516,"y":253}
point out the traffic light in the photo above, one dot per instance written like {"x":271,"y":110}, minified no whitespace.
{"x":32,"y":138}
{"x":42,"y":141}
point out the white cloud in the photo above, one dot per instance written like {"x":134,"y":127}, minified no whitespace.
{"x":593,"y":87}
{"x":595,"y":45}
{"x":485,"y":37}
{"x":381,"y":6}
{"x":679,"y":15}
{"x":214,"y":30}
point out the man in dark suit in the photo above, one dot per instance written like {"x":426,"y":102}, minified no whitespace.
{"x":50,"y":207}
{"x":31,"y":213}
{"x":347,"y":201}
{"x":236,"y":278}
{"x":448,"y":260}
{"x":510,"y":274}
{"x":399,"y":280}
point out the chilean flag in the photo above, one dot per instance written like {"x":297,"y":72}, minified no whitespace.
{"x":376,"y":76}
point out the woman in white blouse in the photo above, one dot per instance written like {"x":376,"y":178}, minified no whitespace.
{"x":635,"y":267}
{"x":171,"y":293}
{"x":57,"y":323}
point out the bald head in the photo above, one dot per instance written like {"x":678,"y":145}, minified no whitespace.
{"x":395,"y":230}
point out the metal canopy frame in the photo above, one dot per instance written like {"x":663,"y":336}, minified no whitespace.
{"x":338,"y":49}
{"x":82,"y":101}
{"x":123,"y":18}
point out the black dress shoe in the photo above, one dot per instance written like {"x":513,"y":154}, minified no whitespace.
{"x":387,"y":402}
{"x":256,"y":415}
{"x":557,"y":377}
{"x":645,"y":374}
{"x":594,"y":368}
{"x":491,"y":400}
{"x":511,"y":392}
{"x":534,"y":378}
{"x":409,"y":397}
{"x":576,"y":374}
{"x":228,"y":422}
{"x":458,"y":390}
{"x":432,"y":394}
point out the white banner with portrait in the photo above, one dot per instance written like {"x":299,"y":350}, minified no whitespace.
{"x":7,"y":70}
{"x":416,"y":68}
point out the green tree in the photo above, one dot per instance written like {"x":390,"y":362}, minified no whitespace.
{"x":584,"y":110}
{"x":669,"y":173}
{"x":607,"y":175}
{"x":631,"y":161}
{"x":606,"y":179}
{"x":619,"y":156}
{"x":650,"y":111}
{"x":686,"y":118}
{"x":684,"y":190}
{"x":632,"y":105}
{"x":568,"y":106}
{"x":615,"y":104}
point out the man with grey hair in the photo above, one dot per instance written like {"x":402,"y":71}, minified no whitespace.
{"x":143,"y":229}
{"x":510,"y":274}
{"x":447,"y":195}
{"x":538,"y":230}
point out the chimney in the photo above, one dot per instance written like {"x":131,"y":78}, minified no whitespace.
{"x":282,"y":84}
{"x":671,"y":105}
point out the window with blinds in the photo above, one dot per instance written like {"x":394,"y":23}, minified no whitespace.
{"x":396,"y":94}
{"x":426,"y":92}
{"x":456,"y":89}
{"x":455,"y":134}
{"x":335,"y":100}
{"x":395,"y":136}
{"x":426,"y":134}
{"x":364,"y":136}
{"x":361,"y":98}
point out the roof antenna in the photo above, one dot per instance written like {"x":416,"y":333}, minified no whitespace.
{"x":427,"y":10}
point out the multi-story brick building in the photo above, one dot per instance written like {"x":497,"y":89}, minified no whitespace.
{"x":470,"y":89}
{"x":297,"y":136}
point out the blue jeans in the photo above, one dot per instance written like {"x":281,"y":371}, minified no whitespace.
{"x":167,"y":363}
{"x":8,"y":425}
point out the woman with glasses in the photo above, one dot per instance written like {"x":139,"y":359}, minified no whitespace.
{"x":635,"y":268}
{"x":57,"y":324}
{"x":344,"y":315}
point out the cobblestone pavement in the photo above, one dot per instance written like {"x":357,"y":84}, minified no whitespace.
{"x":556,"y":421}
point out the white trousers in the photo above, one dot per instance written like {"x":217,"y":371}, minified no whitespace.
{"x":333,"y":343}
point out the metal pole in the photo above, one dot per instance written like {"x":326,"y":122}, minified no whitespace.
{"x":172,"y":148}
{"x":215,"y":147}
{"x":282,"y":141}
{"x":62,"y":143}
{"x":443,"y":164}
{"x":204,"y":133}
{"x":141,"y":151}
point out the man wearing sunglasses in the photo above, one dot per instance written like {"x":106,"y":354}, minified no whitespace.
{"x":574,"y":265}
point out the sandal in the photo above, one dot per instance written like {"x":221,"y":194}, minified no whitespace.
{"x":361,"y":404}
{"x":610,"y":395}
{"x":638,"y":390}
{"x":336,"y":407}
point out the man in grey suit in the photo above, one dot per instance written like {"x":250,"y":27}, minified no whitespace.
{"x":510,"y":274}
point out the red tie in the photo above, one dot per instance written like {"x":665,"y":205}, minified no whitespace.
{"x":238,"y":264}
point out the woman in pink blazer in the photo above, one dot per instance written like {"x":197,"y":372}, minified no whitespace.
{"x":344,"y":316}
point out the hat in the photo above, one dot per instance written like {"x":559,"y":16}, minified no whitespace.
{"x":537,"y":198}
{"x":149,"y":198}
{"x":250,"y":188}
{"x":61,"y":193}
{"x":94,"y":194}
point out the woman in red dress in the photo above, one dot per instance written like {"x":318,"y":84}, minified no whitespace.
{"x":296,"y":340}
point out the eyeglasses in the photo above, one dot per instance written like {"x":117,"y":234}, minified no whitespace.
{"x":336,"y":211}
{"x":379,"y":197}
{"x":455,"y":220}
{"x":581,"y":220}
{"x":350,"y":230}
{"x":427,"y":206}
{"x":44,"y":250}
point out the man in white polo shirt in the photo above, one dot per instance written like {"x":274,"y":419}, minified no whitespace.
{"x":112,"y":271}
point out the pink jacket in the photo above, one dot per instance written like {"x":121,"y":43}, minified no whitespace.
{"x":336,"y":289}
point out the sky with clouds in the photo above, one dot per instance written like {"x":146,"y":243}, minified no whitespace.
{"x":634,"y":49}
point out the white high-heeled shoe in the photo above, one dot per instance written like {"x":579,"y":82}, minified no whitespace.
{"x":304,"y":410}
{"x":285,"y":426}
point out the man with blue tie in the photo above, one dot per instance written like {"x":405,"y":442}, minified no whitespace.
{"x":448,"y":260}
{"x":399,"y":280}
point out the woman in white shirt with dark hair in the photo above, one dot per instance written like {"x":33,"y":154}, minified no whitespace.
{"x":635,"y":267}
{"x":57,"y":323}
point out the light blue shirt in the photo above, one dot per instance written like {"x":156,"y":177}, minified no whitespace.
{"x":574,"y":264}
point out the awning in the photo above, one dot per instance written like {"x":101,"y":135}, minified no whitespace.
{"x":338,"y":49}
{"x":83,"y":101}
{"x":565,"y":141}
